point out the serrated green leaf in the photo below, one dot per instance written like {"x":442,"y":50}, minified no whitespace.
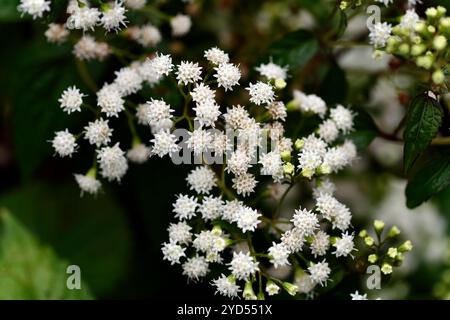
{"x":29,"y":269}
{"x":422,"y":124}
{"x":431,"y":177}
{"x":295,"y":49}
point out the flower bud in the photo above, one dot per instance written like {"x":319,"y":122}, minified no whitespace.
{"x":286,"y":156}
{"x":272,"y":288}
{"x":418,"y":49}
{"x":324,"y":169}
{"x":288,"y":169}
{"x":372,"y":258}
{"x":420,"y":27}
{"x":292,"y":105}
{"x":440,"y":42}
{"x":369,"y":241}
{"x":438,"y":77}
{"x":431,"y":13}
{"x":403,"y":49}
{"x":307,"y":173}
{"x":386,"y":268}
{"x":431,"y":29}
{"x":290,"y":288}
{"x":248,"y":293}
{"x":406,"y":246}
{"x":392,"y":252}
{"x":395,"y":231}
{"x":363,"y":233}
{"x":299,"y":143}
{"x":378,"y":226}
{"x":280,"y":84}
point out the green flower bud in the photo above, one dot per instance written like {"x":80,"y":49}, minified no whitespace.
{"x":400,"y":257}
{"x":431,"y":29}
{"x":324,"y":169}
{"x":369,"y":241}
{"x":392,"y":252}
{"x":216,"y":230}
{"x":440,"y":42}
{"x":386,"y":268}
{"x":299,"y":143}
{"x":425,"y":61}
{"x":260,"y":296}
{"x":377,"y":54}
{"x":343,"y":5}
{"x":92,"y":172}
{"x":438,"y":77}
{"x":248,"y":293}
{"x":406,"y":246}
{"x":444,"y":23}
{"x":290,"y":288}
{"x":418,"y":49}
{"x":286,"y":156}
{"x":307,"y":173}
{"x":378,"y":226}
{"x":280,"y":84}
{"x":272,"y":288}
{"x":395,"y":231}
{"x":403,"y":49}
{"x":431,"y":13}
{"x":363,"y":233}
{"x":441,"y":11}
{"x":292,"y":105}
{"x":372,"y":258}
{"x":420,"y":27}
{"x":288,"y":169}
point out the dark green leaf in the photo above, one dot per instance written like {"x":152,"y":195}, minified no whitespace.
{"x":364,"y":131}
{"x":295,"y":49}
{"x":333,"y":88}
{"x":30,"y":270}
{"x":422,"y":123}
{"x":431,"y":177}
{"x":89,"y":232}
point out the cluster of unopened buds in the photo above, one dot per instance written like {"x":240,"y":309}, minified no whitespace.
{"x":423,"y":41}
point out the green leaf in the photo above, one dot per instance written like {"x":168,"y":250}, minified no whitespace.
{"x":89,"y":232}
{"x":364,"y":131}
{"x":8,"y":11}
{"x":431,"y":177}
{"x":295,"y":49}
{"x":29,"y":269}
{"x":333,"y":88}
{"x":422,"y":123}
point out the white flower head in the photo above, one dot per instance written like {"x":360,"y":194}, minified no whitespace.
{"x":184,"y":207}
{"x":227,"y":75}
{"x":172,"y":252}
{"x":305,"y":221}
{"x":84,"y":18}
{"x":164,"y":143}
{"x":207,"y":113}
{"x":87,"y":49}
{"x":344,"y":245}
{"x":409,"y":20}
{"x":272,"y":71}
{"x":113,"y":16}
{"x":385,"y":2}
{"x":358,"y":296}
{"x":64,"y":143}
{"x":272,"y":288}
{"x":310,"y":103}
{"x":211,"y":208}
{"x":272,"y":164}
{"x":56,"y":33}
{"x":320,"y":272}
{"x":380,"y":33}
{"x":110,"y":100}
{"x":202,"y":179}
{"x":202,"y":94}
{"x":71,"y":100}
{"x":226,"y":286}
{"x":320,"y":243}
{"x":112,"y":162}
{"x":243,"y":265}
{"x":128,"y":81}
{"x":247,"y":219}
{"x":188,"y":72}
{"x":261,"y":93}
{"x":180,"y":233}
{"x":216,"y":56}
{"x":195,"y":268}
{"x":88,"y":183}
{"x":148,"y":36}
{"x":157,"y":110}
{"x":199,"y":141}
{"x":278,"y":254}
{"x":181,"y":24}
{"x":277,"y":110}
{"x":244,"y":184}
{"x":98,"y":132}
{"x":343,"y":118}
{"x":328,"y":131}
{"x":35,"y":8}
{"x":162,"y":64}
{"x":139,"y":153}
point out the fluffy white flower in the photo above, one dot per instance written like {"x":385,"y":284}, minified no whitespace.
{"x":210,"y":242}
{"x":272,"y":71}
{"x":243,"y":265}
{"x":221,"y":143}
{"x":261,"y":93}
{"x":164,"y":143}
{"x":180,"y":24}
{"x":211,"y":208}
{"x":195,"y":268}
{"x":325,"y":186}
{"x":112,"y":162}
{"x":180,"y":233}
{"x":319,"y":272}
{"x":207,"y":113}
{"x":305,"y":221}
{"x":184,"y":207}
{"x":334,"y":211}
{"x":162,"y":64}
{"x":247,"y":219}
{"x":358,"y":296}
{"x":244,"y":184}
{"x":277,"y":110}
{"x":199,"y":141}
{"x":157,"y":110}
{"x":98,"y":132}
{"x":139,"y":153}
{"x":227,"y":75}
{"x":409,"y":20}
{"x":188,"y":72}
{"x":216,"y":56}
{"x":344,"y":245}
{"x":35,"y":8}
{"x":113,"y":17}
{"x":202,"y":179}
{"x":272,"y":289}
{"x":328,"y":131}
{"x":226,"y":286}
{"x":386,"y":2}
{"x":56,"y":33}
{"x":128,"y":81}
{"x":202,"y":94}
{"x":237,"y":117}
{"x":88,"y":183}
{"x":293,"y":240}
{"x":412,"y":3}
{"x":380,"y":33}
{"x":84,"y":18}
{"x":71,"y":100}
{"x":310,"y":103}
{"x":87,"y":48}
{"x":231,"y":210}
{"x":64,"y":143}
{"x":238,"y":162}
{"x":110,"y":100}
{"x":149,"y":36}
{"x":278,"y":254}
{"x":172,"y":252}
{"x":304,"y":283}
{"x":272,"y":164}
{"x":135,"y":4}
{"x":343,"y":118}
{"x":339,"y":157}
{"x":320,"y":243}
